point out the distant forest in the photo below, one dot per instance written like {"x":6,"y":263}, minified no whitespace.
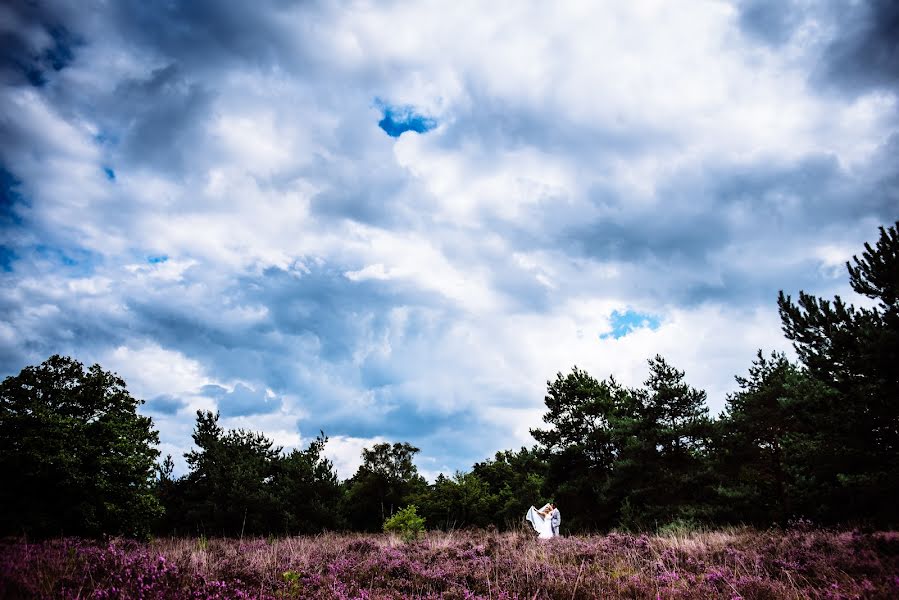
{"x":816,"y":440}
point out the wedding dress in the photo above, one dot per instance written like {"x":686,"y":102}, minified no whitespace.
{"x":542,"y":525}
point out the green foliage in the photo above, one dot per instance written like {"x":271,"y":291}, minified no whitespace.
{"x":308,"y":490}
{"x":239,"y":482}
{"x":630,"y":457}
{"x":680,"y":528}
{"x":513,"y":479}
{"x":406,"y":523}
{"x":854,"y":351}
{"x":75,"y":457}
{"x":661,"y":435}
{"x":579,"y":446}
{"x":769,"y":444}
{"x":293,"y":580}
{"x":231,"y":479}
{"x":450,"y":503}
{"x":387,"y":479}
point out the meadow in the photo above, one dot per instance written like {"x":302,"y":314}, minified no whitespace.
{"x":737,"y":563}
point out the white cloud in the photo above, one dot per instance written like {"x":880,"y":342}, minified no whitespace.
{"x":588,"y":157}
{"x":151,"y":370}
{"x":346,"y":452}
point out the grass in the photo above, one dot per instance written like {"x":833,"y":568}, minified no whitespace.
{"x":730,"y":563}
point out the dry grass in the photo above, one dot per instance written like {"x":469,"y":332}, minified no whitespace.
{"x":729,"y":563}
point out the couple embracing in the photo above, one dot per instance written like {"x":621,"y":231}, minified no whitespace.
{"x":545,"y":521}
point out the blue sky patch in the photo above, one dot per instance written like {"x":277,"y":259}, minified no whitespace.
{"x":627,"y":322}
{"x":402,"y":118}
{"x":155,"y":260}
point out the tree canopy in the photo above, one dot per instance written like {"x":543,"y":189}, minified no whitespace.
{"x":75,"y":457}
{"x":855,"y":351}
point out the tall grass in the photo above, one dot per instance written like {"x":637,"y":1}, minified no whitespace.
{"x":726,"y":563}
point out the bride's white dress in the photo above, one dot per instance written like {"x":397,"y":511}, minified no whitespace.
{"x":542,"y":525}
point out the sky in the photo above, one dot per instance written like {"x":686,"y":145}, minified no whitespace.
{"x":396,"y":221}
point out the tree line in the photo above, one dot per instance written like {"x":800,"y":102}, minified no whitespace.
{"x":817,"y":439}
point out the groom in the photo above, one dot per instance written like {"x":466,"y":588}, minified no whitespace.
{"x":555,"y":519}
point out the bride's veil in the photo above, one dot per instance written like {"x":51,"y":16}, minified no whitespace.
{"x":535,"y":518}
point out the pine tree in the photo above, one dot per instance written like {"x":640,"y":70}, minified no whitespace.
{"x":579,"y":446}
{"x":856,"y":351}
{"x":660,"y":473}
{"x":770,"y":453}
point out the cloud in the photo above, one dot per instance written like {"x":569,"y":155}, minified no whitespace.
{"x":346,"y":453}
{"x":849,"y":47}
{"x":772,"y":21}
{"x":862,"y":55}
{"x":203,"y":199}
{"x":35,"y":42}
{"x":165,"y":404}
{"x":242,"y":400}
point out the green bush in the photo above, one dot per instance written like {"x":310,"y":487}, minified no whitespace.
{"x":405,"y":522}
{"x":680,"y":527}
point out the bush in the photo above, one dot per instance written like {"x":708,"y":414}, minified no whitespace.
{"x":680,"y":527}
{"x":406,"y":522}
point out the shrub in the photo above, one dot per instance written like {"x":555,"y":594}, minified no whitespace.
{"x":680,"y":527}
{"x":406,"y":522}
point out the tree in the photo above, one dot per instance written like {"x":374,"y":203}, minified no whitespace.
{"x":308,"y":490}
{"x":231,"y":486}
{"x":662,"y":434}
{"x":462,"y":500}
{"x":75,"y":457}
{"x":580,"y":446}
{"x":771,"y":450}
{"x":385,"y":480}
{"x":240,"y":482}
{"x":855,"y":351}
{"x":514,"y":480}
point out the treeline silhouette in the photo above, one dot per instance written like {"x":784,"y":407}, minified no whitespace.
{"x":815,"y":440}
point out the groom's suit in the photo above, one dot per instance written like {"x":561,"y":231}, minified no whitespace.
{"x":555,"y":520}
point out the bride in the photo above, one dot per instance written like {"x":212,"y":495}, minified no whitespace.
{"x":541,"y":522}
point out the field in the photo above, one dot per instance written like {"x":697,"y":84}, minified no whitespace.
{"x":730,"y":564}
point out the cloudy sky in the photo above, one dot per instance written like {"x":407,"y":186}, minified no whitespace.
{"x":396,"y":221}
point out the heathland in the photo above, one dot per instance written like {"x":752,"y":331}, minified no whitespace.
{"x":735,"y":563}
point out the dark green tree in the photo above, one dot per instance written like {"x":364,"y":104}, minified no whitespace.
{"x":661,"y":434}
{"x":75,"y":457}
{"x":240,"y":482}
{"x":231,"y":488}
{"x":308,"y":490}
{"x":770,"y":448}
{"x":855,"y":351}
{"x":170,"y":491}
{"x":580,"y":446}
{"x":514,"y":481}
{"x":383,"y":483}
{"x":462,"y":500}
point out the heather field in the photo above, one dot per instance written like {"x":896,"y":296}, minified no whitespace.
{"x":738,"y":563}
